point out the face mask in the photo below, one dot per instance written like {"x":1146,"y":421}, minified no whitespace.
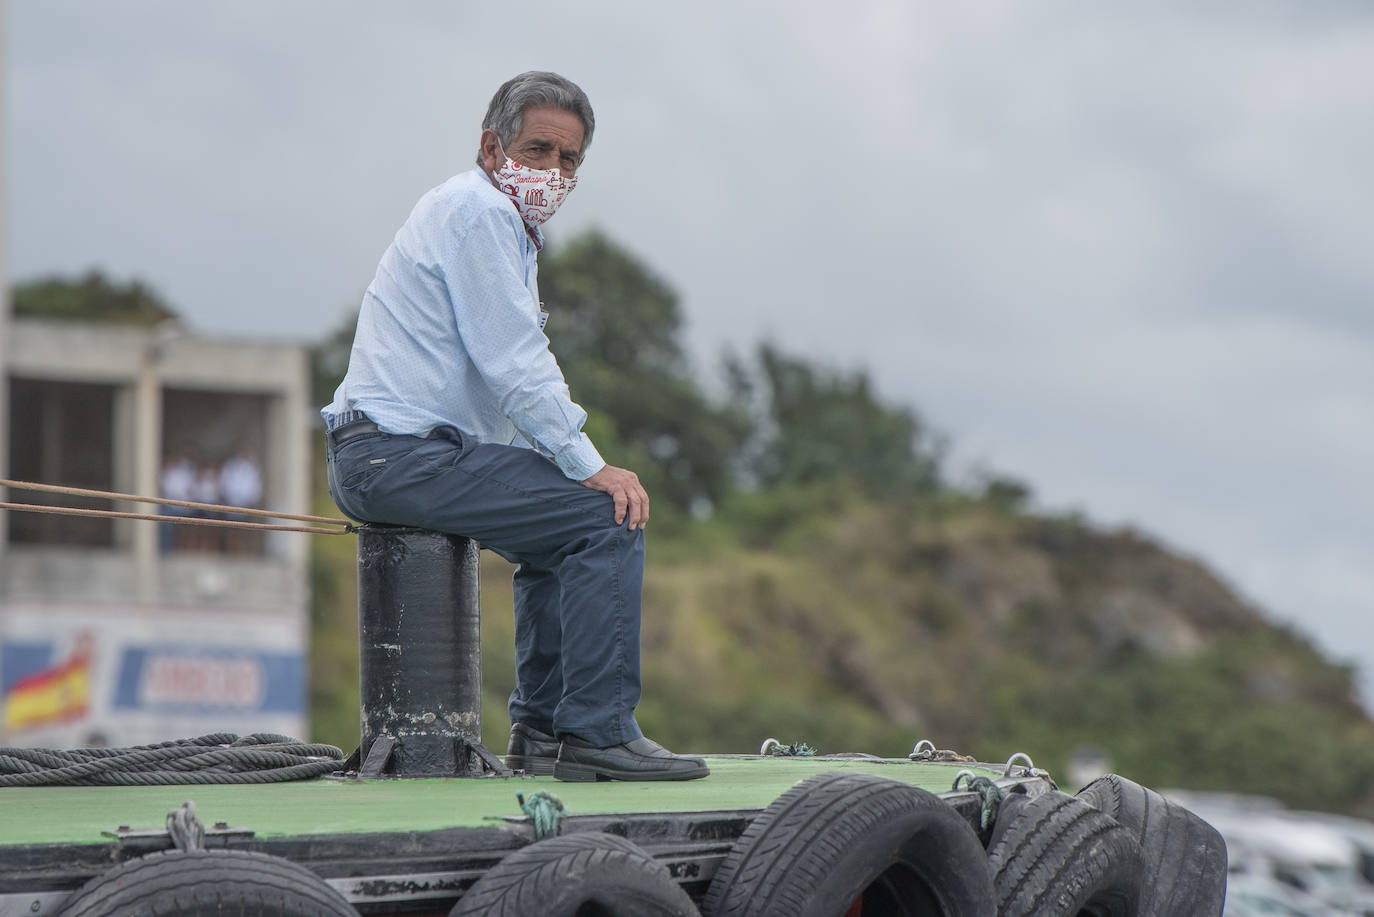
{"x":537,"y":193}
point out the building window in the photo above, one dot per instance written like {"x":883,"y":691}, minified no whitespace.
{"x":213,"y":452}
{"x":61,"y":433}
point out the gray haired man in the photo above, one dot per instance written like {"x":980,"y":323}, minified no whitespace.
{"x":455,"y":417}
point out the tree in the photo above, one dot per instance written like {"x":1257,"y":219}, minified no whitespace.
{"x":93,"y":298}
{"x":614,"y":327}
{"x":820,"y":425}
{"x":329,"y":359}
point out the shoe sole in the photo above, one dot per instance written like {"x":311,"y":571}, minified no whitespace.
{"x":534,"y":765}
{"x":590,"y":773}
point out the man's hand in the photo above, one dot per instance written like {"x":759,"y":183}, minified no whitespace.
{"x":624,"y":487}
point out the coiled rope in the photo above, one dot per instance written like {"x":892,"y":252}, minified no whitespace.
{"x":344,"y":526}
{"x":216,"y":758}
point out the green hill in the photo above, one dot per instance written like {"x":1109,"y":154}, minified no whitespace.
{"x":868,"y":626}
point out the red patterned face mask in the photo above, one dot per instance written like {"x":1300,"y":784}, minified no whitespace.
{"x":537,"y":193}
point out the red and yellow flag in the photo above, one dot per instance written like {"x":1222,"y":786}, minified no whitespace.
{"x":54,"y":695}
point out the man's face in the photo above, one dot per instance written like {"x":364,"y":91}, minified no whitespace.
{"x":549,"y":138}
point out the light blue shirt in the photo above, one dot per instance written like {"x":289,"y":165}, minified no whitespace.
{"x":451,"y":332}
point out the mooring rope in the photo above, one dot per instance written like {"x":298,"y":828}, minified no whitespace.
{"x":345,"y":527}
{"x":174,"y":520}
{"x":989,"y":795}
{"x":216,"y":758}
{"x":796,"y":750}
{"x":545,"y":811}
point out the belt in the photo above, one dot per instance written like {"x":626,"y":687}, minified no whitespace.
{"x":342,"y":434}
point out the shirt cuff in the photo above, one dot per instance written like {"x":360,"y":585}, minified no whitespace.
{"x":580,"y":460}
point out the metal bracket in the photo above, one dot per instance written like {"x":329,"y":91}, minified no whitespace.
{"x":33,"y":904}
{"x":125,"y":834}
{"x":924,"y":751}
{"x":493,"y":763}
{"x":1020,"y":756}
{"x":462,"y":755}
{"x":377,"y":757}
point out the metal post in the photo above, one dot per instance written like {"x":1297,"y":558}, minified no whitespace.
{"x":4,"y":315}
{"x":420,"y":655}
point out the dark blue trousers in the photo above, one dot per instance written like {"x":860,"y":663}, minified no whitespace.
{"x":577,"y":587}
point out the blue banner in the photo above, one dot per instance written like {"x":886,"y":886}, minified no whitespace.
{"x":182,"y":679}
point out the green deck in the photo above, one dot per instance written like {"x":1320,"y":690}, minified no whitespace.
{"x":78,"y":815}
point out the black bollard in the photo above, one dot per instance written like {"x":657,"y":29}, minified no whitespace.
{"x":420,"y":655}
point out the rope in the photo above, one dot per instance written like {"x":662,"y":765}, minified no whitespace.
{"x":216,"y":758}
{"x":134,"y":498}
{"x":774,"y":748}
{"x":346,"y":527}
{"x":545,"y":811}
{"x":989,"y":793}
{"x":925,"y":750}
{"x":175,"y":520}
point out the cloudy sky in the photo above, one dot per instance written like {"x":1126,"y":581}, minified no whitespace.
{"x":1120,"y":251}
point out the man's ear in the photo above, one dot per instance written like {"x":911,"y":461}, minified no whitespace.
{"x":491,"y":158}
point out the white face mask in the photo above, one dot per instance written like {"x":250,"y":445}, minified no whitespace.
{"x":537,"y":193}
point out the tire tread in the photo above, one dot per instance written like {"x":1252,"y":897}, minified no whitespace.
{"x":790,"y":850}
{"x":1185,"y":854}
{"x":1060,"y":853}
{"x":526,"y":881}
{"x":203,"y":881}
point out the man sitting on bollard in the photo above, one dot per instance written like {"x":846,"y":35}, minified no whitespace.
{"x":455,"y":417}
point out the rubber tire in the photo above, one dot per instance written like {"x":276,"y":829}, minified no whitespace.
{"x":1185,"y":858}
{"x":834,"y":837}
{"x":582,"y":874}
{"x":1007,"y":812}
{"x":1060,"y":857}
{"x":203,"y":882}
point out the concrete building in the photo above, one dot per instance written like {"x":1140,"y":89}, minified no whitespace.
{"x":124,"y":632}
{"x":127,"y":631}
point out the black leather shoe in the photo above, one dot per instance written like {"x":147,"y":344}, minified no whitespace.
{"x":531,"y":751}
{"x":641,"y":759}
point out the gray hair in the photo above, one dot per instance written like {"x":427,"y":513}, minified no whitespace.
{"x":536,"y":89}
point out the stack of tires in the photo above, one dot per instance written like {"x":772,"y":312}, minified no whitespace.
{"x":836,"y":845}
{"x":1116,"y":849}
{"x":858,"y":845}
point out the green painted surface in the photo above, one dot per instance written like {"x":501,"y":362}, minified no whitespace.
{"x":45,"y":815}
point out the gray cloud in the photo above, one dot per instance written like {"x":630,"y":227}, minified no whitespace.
{"x":1121,"y":253}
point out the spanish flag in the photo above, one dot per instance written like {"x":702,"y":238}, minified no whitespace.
{"x":54,"y":695}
